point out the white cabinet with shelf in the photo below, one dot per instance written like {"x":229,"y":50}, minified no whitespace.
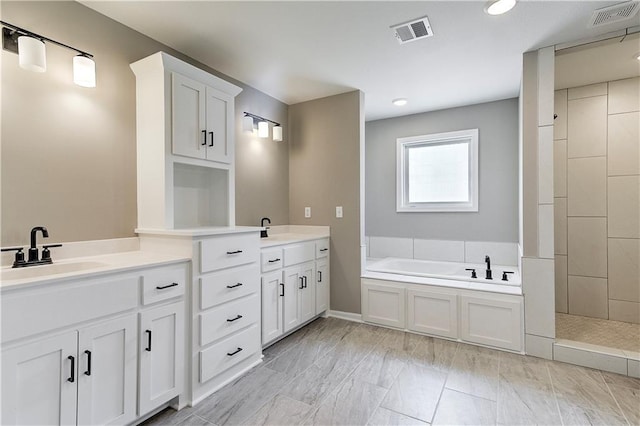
{"x":185,"y":145}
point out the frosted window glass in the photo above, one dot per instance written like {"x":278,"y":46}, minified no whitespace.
{"x":438,"y":173}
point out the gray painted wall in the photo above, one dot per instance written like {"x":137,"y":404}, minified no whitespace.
{"x":497,"y":216}
{"x":69,"y":153}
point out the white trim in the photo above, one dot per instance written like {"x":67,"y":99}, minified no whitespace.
{"x":469,"y":136}
{"x":349,"y":316}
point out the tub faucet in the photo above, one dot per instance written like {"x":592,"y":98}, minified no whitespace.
{"x":33,"y":250}
{"x":263,"y":233}
{"x":488,"y":276}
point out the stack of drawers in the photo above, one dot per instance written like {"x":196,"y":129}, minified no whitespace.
{"x":227,"y":308}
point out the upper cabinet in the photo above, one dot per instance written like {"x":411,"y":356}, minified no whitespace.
{"x":185,"y":145}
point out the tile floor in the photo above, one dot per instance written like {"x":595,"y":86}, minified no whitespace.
{"x":612,"y":334}
{"x":335,"y":372}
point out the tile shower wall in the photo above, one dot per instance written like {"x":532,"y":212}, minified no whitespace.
{"x":597,"y":200}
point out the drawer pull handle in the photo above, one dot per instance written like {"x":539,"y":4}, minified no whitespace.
{"x":234,"y":319}
{"x":72,"y":377}
{"x":148,"y":348}
{"x":234,"y":252}
{"x":324,"y":249}
{"x":282,"y":294}
{"x":274,"y":260}
{"x":234,"y":352}
{"x":211,"y":143}
{"x":319,"y":276}
{"x":305,"y":281}
{"x":166,"y":286}
{"x":234,"y":286}
{"x":301,"y":283}
{"x":88,"y":372}
{"x":204,"y":137}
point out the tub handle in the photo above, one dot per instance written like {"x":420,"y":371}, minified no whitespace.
{"x":473,"y":272}
{"x":504,"y":275}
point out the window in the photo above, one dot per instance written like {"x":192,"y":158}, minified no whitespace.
{"x":438,"y":173}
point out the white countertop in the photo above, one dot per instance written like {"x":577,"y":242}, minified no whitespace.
{"x":79,"y":267}
{"x":278,"y":239}
{"x":199,"y":232}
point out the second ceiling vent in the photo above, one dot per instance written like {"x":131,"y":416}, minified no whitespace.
{"x":615,"y":13}
{"x":413,"y":30}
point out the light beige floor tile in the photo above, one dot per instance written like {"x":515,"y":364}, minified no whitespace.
{"x":629,"y":400}
{"x":588,"y":297}
{"x":384,"y":417}
{"x":400,"y":340}
{"x":620,"y":380}
{"x":624,"y":269}
{"x":587,"y":247}
{"x":381,"y":367}
{"x":624,"y":206}
{"x":612,"y":334}
{"x":474,"y":371}
{"x":587,"y":127}
{"x":525,"y":400}
{"x":353,"y":404}
{"x":280,"y":410}
{"x":169,"y":416}
{"x":624,"y":95}
{"x":574,"y":415}
{"x":587,"y":186}
{"x":415,"y":392}
{"x":624,"y":144}
{"x":522,"y":369}
{"x":456,"y":408}
{"x":435,"y":353}
{"x":583,"y":387}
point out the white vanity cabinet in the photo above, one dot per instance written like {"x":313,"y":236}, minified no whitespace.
{"x":69,"y":364}
{"x":201,"y":116}
{"x":383,"y":304}
{"x":295,"y":286}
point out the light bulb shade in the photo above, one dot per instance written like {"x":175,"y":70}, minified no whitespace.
{"x":84,"y":71}
{"x":277,"y":133}
{"x":263,"y":129}
{"x":247,"y":124}
{"x":498,"y":7}
{"x":32,"y":55}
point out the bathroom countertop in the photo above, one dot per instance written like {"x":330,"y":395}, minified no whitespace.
{"x":199,"y":232}
{"x":290,"y":237}
{"x":89,"y":267}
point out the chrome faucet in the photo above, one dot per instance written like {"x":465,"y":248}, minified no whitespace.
{"x":263,"y":233}
{"x":488,"y":276}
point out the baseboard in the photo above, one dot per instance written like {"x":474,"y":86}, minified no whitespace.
{"x":349,"y":316}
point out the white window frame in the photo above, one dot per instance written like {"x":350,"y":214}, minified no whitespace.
{"x":469,"y":136}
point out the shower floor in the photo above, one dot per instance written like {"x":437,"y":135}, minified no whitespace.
{"x":612,"y":334}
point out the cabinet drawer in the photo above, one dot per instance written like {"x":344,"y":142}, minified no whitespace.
{"x":38,"y":310}
{"x":299,"y":253}
{"x":228,"y":318}
{"x":271,"y":259}
{"x":322,"y":249}
{"x":229,"y":250}
{"x":163,"y":283}
{"x":229,"y":352}
{"x":220,"y":287}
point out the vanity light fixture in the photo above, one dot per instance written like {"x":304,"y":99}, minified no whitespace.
{"x":31,"y":51}
{"x":399,"y":102}
{"x":498,"y":7}
{"x":249,"y":124}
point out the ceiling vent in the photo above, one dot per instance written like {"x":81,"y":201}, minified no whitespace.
{"x":413,"y":30}
{"x":615,"y":13}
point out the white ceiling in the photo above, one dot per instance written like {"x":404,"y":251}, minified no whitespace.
{"x":300,"y":50}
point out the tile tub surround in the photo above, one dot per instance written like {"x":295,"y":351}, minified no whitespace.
{"x":443,"y":250}
{"x":597,"y":200}
{"x":410,"y":381}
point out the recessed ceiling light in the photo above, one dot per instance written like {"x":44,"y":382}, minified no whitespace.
{"x":637,"y":56}
{"x":498,"y":7}
{"x":399,"y":102}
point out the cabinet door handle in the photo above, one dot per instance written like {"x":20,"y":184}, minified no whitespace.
{"x":234,"y":286}
{"x":204,"y":137}
{"x":72,"y":377}
{"x":301,"y":283}
{"x":88,"y":372}
{"x":148,"y":348}
{"x":274,"y":260}
{"x":234,"y":319}
{"x":305,"y":281}
{"x":211,"y":137}
{"x":282,"y":294}
{"x":234,"y":352}
{"x":166,"y":286}
{"x":324,"y":249}
{"x":234,"y":252}
{"x":319,"y":276}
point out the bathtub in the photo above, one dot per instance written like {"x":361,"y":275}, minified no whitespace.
{"x":452,"y":271}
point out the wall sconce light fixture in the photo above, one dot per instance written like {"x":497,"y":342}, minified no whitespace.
{"x":31,"y":51}
{"x":249,"y":124}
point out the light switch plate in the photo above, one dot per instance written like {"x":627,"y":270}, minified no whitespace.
{"x":307,"y":212}
{"x":338,"y":211}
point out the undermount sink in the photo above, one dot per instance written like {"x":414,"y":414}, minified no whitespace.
{"x":43,"y":270}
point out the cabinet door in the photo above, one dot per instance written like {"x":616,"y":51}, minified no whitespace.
{"x":383,"y":304}
{"x":293,"y":283}
{"x":322,"y":286}
{"x":307,"y":294}
{"x":492,"y":322}
{"x":161,"y":352}
{"x":272,"y":307}
{"x":433,"y":313}
{"x":36,"y":382}
{"x":189,"y":137}
{"x":217,"y":122}
{"x":107,"y":372}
